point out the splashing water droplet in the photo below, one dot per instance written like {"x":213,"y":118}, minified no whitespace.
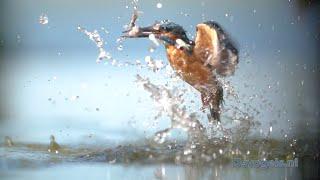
{"x":193,"y":146}
{"x":159,"y":5}
{"x":153,"y":38}
{"x":74,"y":97}
{"x":120,"y":47}
{"x":254,"y":11}
{"x":151,"y":49}
{"x":214,"y":155}
{"x":160,"y":138}
{"x":96,"y":38}
{"x":154,"y":65}
{"x":43,"y":19}
{"x":160,"y":173}
{"x":18,"y":38}
{"x":187,"y":151}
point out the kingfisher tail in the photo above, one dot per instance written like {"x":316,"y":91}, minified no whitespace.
{"x":213,"y":99}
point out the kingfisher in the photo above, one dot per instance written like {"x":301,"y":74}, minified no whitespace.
{"x":198,"y":62}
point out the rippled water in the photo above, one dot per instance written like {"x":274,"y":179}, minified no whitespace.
{"x":150,"y":160}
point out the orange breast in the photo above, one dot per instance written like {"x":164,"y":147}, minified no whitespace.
{"x":191,"y":69}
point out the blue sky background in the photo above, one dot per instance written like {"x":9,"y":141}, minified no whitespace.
{"x":278,"y":41}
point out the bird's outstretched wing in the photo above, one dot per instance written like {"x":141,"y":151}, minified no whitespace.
{"x":215,"y":49}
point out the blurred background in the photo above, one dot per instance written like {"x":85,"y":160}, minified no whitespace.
{"x":50,"y":82}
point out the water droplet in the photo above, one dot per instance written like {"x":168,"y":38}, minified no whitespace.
{"x":187,"y":151}
{"x":214,"y":155}
{"x":43,"y":19}
{"x":151,"y":49}
{"x":120,"y":47}
{"x":113,"y":161}
{"x":160,"y":137}
{"x":18,"y":38}
{"x":8,"y":141}
{"x":160,"y":173}
{"x":153,"y":38}
{"x":159,"y":5}
{"x":98,"y":40}
{"x":74,"y":97}
{"x":254,"y":11}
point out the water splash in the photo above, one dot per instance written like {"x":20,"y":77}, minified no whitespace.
{"x":54,"y":147}
{"x":98,"y":40}
{"x":170,"y":103}
{"x":43,"y":19}
{"x":8,"y":141}
{"x":154,"y":65}
{"x":237,"y":124}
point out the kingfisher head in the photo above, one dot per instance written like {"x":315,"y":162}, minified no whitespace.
{"x":168,"y":32}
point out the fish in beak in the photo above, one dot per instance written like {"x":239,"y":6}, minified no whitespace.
{"x":142,"y":32}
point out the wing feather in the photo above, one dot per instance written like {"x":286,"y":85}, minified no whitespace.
{"x":215,"y":49}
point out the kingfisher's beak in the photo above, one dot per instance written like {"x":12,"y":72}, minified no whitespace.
{"x":141,"y":32}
